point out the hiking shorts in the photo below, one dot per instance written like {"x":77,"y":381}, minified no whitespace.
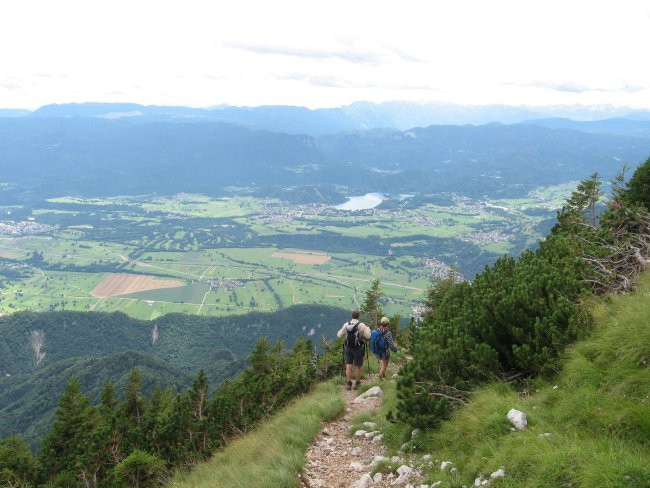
{"x":354,"y":355}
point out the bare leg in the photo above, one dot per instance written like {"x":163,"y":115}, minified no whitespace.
{"x":357,"y":374}
{"x":348,"y":372}
{"x":382,"y":368}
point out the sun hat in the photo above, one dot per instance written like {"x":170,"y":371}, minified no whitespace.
{"x":384,"y":320}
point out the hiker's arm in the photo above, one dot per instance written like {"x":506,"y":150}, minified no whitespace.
{"x":391,"y":343}
{"x":341,"y":332}
{"x":366,"y":332}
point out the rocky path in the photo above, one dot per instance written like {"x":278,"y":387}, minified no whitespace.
{"x":340,"y":459}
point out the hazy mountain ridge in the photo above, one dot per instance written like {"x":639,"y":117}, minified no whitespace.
{"x":59,"y":156}
{"x":356,"y":116}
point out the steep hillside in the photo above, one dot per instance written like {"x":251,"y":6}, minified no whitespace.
{"x":41,"y":352}
{"x":188,"y":342}
{"x":27,"y":404}
{"x":588,"y":427}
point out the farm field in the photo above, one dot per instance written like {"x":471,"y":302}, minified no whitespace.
{"x":149,"y":256}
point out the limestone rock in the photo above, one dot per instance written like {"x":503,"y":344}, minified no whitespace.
{"x":499,"y":473}
{"x":357,"y":466}
{"x":446,"y":465}
{"x":363,"y":482}
{"x":370,"y":425}
{"x":378,"y":477}
{"x":426,"y":457}
{"x":395,"y":459}
{"x":518,"y":419}
{"x":359,"y":433}
{"x":375,"y":391}
{"x":378,"y":438}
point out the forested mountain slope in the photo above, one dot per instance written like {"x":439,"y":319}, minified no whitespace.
{"x":41,"y":352}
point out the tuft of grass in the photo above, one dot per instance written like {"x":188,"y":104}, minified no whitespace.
{"x":597,"y":410}
{"x":271,"y":455}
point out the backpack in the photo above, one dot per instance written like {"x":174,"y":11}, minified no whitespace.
{"x":352,"y":338}
{"x":378,"y":344}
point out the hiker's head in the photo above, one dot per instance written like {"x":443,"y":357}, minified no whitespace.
{"x":356,"y":315}
{"x":384,"y":321}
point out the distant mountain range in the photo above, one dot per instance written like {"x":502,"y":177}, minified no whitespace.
{"x":53,"y":156}
{"x":357,"y":116}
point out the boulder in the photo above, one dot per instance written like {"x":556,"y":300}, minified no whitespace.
{"x":359,"y":433}
{"x":517,"y":418}
{"x":375,"y":391}
{"x":378,"y":438}
{"x":370,"y":425}
{"x":363,"y":482}
{"x":378,"y":477}
{"x":499,"y":473}
{"x":426,"y":457}
{"x":446,"y":465}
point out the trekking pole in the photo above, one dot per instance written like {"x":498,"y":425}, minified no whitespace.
{"x":343,"y":362}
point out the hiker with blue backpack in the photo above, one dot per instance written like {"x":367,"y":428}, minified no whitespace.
{"x":356,"y":334}
{"x":381,"y":344}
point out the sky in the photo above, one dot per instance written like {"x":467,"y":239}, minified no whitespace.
{"x":318,"y":53}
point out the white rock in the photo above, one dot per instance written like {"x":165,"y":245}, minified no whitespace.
{"x":375,"y":391}
{"x":415,"y":433}
{"x":368,"y":435}
{"x":404,"y":470}
{"x":325,"y":432}
{"x":378,"y":438}
{"x":404,"y":446}
{"x":395,"y":375}
{"x":485,"y":483}
{"x":378,"y":477}
{"x":423,"y":486}
{"x":363,"y":482}
{"x":445,"y":464}
{"x":479,"y":481}
{"x":357,"y":451}
{"x":357,"y":466}
{"x":378,"y":459}
{"x":545,"y":435}
{"x":395,"y":459}
{"x":499,"y":473}
{"x":454,"y":471}
{"x":518,"y":419}
{"x":370,"y":425}
{"x":359,"y":433}
{"x":317,"y":483}
{"x":426,"y":457}
{"x":436,"y":484}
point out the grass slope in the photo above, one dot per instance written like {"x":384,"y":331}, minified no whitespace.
{"x":597,"y":411}
{"x":271,"y":455}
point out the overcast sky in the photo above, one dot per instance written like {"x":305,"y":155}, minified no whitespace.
{"x":324,"y":53}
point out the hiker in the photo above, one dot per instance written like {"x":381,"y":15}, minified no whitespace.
{"x":381,"y":344}
{"x":355,"y":333}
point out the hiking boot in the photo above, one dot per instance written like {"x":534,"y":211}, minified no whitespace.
{"x":348,"y":386}
{"x":356,"y":385}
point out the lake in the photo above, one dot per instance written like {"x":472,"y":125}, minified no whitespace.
{"x":369,"y":200}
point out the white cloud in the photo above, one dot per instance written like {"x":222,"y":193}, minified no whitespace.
{"x":319,"y":53}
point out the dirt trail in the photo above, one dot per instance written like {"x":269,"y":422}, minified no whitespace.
{"x":330,"y":456}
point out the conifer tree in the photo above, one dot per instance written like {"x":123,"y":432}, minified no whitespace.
{"x":371,"y":307}
{"x":69,"y":447}
{"x":638,"y":188}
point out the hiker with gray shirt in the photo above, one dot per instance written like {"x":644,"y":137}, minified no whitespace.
{"x":355,"y":333}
